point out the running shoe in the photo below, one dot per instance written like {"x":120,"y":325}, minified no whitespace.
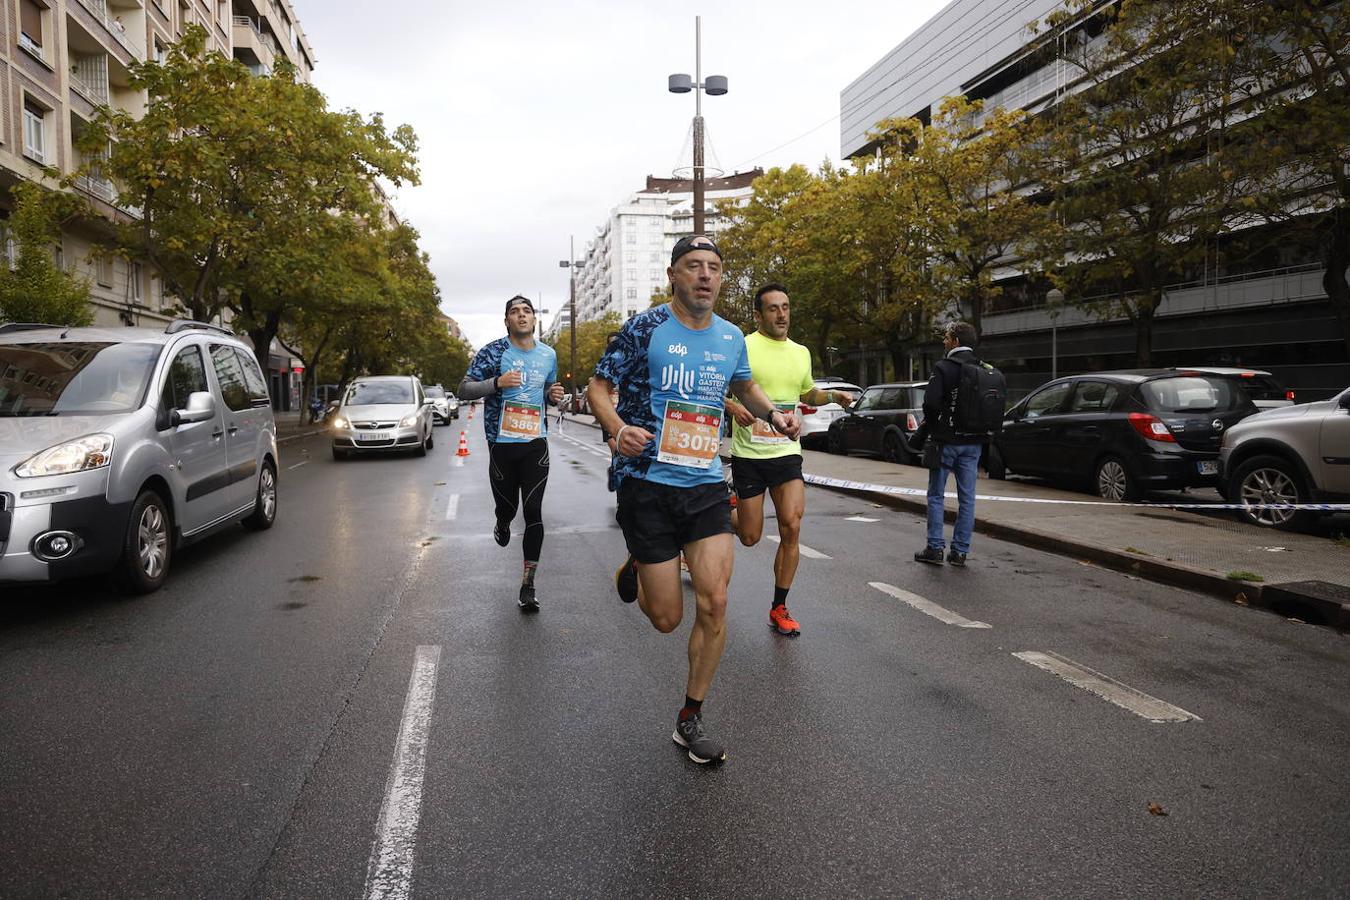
{"x":501,"y":533}
{"x":930,"y":555}
{"x":528,"y":602}
{"x":689,"y":734}
{"x":782,"y":622}
{"x":626,"y":580}
{"x":956,"y":559}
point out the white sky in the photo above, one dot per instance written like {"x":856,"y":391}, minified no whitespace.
{"x":535,"y":119}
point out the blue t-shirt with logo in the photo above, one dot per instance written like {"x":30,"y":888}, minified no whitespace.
{"x":672,"y":380}
{"x":515,"y":415}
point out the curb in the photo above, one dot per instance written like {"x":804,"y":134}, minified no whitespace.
{"x":298,"y":435}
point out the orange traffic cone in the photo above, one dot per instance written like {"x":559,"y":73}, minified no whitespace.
{"x":463,"y":445}
{"x":470,"y":412}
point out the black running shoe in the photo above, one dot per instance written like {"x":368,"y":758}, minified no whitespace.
{"x":626,"y":580}
{"x":689,"y":735}
{"x":502,"y":534}
{"x":956,"y":559}
{"x":930,"y":555}
{"x":528,"y":602}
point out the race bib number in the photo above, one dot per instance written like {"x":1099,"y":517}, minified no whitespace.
{"x":521,"y":420}
{"x":691,"y":434}
{"x":762,"y":432}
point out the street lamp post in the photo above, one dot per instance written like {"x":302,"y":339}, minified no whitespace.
{"x":1054,"y":304}
{"x":716,"y":85}
{"x":571,"y":265}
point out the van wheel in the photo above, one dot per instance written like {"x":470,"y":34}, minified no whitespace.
{"x":1269,"y":479}
{"x":1113,"y":481}
{"x":431,"y":442}
{"x":994,"y":464}
{"x":147,"y":547}
{"x":265,"y":506}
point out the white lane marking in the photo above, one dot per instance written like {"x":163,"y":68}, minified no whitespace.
{"x":928,"y":607}
{"x":389,"y":873}
{"x":860,"y":519}
{"x":298,"y":465}
{"x":805,"y":550}
{"x":594,"y":451}
{"x":1107,"y":688}
{"x":452,"y":508}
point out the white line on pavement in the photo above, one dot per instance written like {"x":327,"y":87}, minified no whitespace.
{"x":928,"y":607}
{"x":298,"y":465}
{"x":389,"y":873}
{"x":1107,"y":688}
{"x":805,"y":550}
{"x":860,"y":519}
{"x":452,"y":508}
{"x":593,"y":450}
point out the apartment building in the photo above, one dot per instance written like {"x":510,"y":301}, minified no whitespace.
{"x":626,"y":261}
{"x":1267,"y":310}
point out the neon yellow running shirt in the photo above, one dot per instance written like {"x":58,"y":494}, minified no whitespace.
{"x":783,"y":370}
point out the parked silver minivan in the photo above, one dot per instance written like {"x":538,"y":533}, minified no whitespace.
{"x":117,"y":445}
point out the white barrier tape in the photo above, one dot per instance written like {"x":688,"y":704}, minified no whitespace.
{"x":823,"y":481}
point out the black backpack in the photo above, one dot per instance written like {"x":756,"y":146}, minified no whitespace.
{"x":981,"y":398}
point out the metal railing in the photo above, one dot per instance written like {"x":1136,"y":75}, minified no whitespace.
{"x":99,"y":9}
{"x":94,"y":93}
{"x":99,"y":187}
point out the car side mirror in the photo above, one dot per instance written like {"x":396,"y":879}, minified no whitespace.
{"x":201,"y":407}
{"x":428,"y":402}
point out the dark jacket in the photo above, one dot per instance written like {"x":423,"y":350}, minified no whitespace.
{"x":939,"y":401}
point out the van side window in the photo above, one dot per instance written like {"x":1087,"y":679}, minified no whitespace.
{"x":187,"y":375}
{"x":253,"y":380}
{"x":230,"y":374}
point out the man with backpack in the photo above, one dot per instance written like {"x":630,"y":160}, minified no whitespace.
{"x":962,"y":408}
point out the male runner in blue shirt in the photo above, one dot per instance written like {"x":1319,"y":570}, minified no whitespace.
{"x":673,"y":366}
{"x":517,"y":375}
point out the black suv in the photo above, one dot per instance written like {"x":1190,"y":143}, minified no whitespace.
{"x":1123,"y":433}
{"x":881,"y":422}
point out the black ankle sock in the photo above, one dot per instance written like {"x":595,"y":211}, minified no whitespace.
{"x":691,"y":706}
{"x":779,"y":596}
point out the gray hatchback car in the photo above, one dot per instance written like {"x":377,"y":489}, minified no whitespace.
{"x":117,"y":445}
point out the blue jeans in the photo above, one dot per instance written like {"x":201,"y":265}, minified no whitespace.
{"x":964,"y":460}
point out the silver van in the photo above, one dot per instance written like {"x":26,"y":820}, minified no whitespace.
{"x":117,"y":445}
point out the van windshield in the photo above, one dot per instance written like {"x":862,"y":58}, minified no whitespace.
{"x":372,"y":393}
{"x":74,"y":378}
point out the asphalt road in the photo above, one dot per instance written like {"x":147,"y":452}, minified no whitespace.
{"x":356,"y":691}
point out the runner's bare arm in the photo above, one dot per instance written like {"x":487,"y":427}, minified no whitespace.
{"x":754,"y":398}
{"x":744,"y":417}
{"x":820,"y":396}
{"x":630,"y":440}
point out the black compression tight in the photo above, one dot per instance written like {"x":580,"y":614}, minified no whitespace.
{"x":519,"y":474}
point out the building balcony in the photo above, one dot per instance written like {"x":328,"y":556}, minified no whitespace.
{"x":101,"y":188}
{"x":109,"y":24}
{"x":252,"y":45}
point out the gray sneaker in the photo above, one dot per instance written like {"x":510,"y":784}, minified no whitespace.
{"x":956,"y":559}
{"x":689,"y":735}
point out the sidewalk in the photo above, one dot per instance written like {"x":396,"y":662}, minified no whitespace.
{"x":1300,"y":575}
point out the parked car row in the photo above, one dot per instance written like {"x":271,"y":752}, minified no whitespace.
{"x":1123,"y":434}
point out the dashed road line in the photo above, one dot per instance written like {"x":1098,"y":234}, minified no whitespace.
{"x":805,"y":550}
{"x":594,"y":451}
{"x":928,"y":607}
{"x":389,"y":873}
{"x":860,"y":519}
{"x":1107,"y":688}
{"x":298,"y":465}
{"x":452,"y":508}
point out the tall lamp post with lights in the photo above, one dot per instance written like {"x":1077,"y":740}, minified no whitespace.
{"x":571,"y":264}
{"x":1054,"y":305}
{"x":716,"y":85}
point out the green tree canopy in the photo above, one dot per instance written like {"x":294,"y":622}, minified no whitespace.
{"x":33,"y":288}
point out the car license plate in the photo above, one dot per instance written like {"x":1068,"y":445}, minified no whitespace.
{"x":1208,"y":467}
{"x":373,"y":436}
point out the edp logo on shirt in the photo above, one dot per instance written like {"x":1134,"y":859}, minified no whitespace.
{"x":677,"y":350}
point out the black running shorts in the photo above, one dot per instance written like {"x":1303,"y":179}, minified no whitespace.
{"x":659,"y":519}
{"x":753,"y":477}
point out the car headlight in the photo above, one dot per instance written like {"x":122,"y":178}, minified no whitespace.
{"x":93,"y":451}
{"x":340,"y":422}
{"x":408,"y":421}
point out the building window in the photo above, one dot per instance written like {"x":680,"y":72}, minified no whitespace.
{"x":630,"y":274}
{"x":630,"y":237}
{"x":11,"y":248}
{"x":103,"y":269}
{"x":32,"y":24}
{"x":137,"y":274}
{"x":34,"y":132}
{"x":631,"y":293}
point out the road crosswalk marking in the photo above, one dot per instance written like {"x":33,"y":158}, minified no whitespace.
{"x":390,"y":871}
{"x":1107,"y":688}
{"x":805,"y":550}
{"x":928,"y":607}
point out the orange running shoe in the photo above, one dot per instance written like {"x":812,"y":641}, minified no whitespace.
{"x":780,"y":621}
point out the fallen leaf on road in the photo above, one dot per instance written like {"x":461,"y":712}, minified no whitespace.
{"x":1240,"y":599}
{"x":1155,"y":809}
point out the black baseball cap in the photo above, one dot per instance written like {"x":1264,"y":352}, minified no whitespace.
{"x":518,"y":299}
{"x":693,"y":242}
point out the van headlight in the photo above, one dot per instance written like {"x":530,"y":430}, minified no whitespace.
{"x":93,"y":451}
{"x":408,"y":421}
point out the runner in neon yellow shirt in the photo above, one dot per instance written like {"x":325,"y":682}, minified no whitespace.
{"x":762,"y":459}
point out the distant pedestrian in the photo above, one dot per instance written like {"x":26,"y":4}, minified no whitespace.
{"x":962,"y":406}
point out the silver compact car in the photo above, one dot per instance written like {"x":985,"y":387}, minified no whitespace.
{"x":383,"y":413}
{"x":444,"y":406}
{"x":117,"y":445}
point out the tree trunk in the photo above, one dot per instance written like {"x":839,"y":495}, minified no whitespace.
{"x":1143,"y":328}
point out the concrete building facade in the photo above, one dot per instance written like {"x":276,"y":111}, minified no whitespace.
{"x":1267,"y":311}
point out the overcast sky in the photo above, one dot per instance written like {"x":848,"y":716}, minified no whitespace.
{"x":536,"y":119}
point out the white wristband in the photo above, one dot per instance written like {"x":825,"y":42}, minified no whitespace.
{"x":618,"y":438}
